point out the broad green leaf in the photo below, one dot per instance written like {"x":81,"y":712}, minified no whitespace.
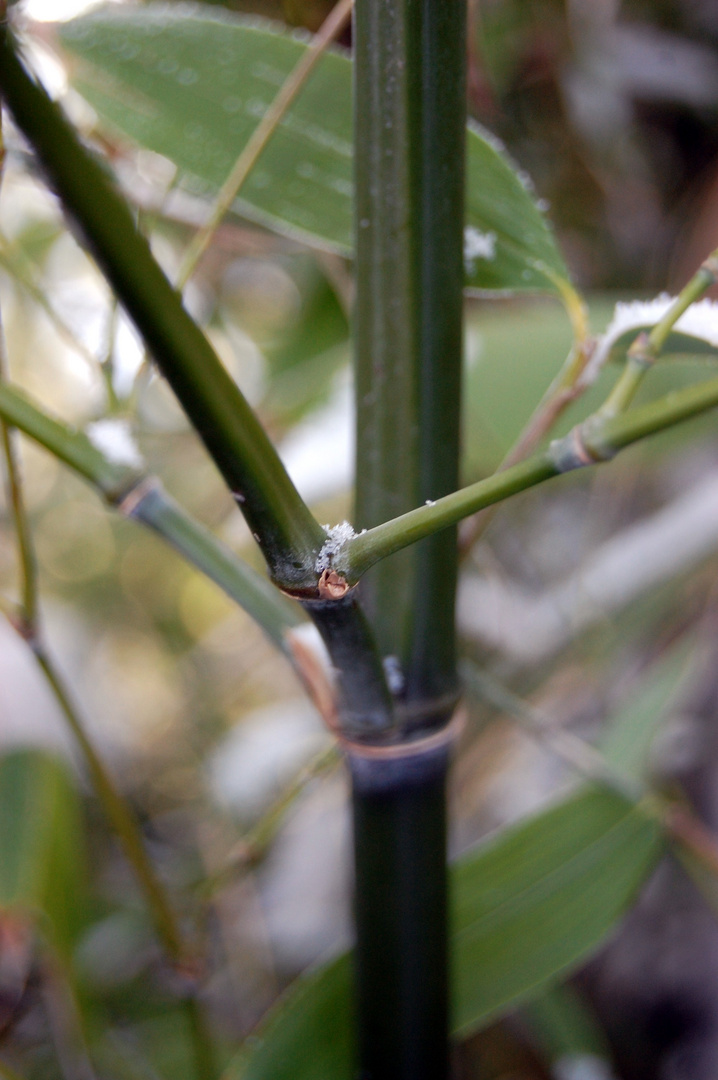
{"x":305,"y":357}
{"x":565,"y":1025}
{"x":307,"y":1035}
{"x":193,"y":86}
{"x":527,"y":906}
{"x":42,"y":868}
{"x":627,"y":742}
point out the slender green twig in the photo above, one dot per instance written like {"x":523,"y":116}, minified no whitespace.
{"x":28,"y":569}
{"x":288,"y":534}
{"x":25,"y":550}
{"x":328,"y":32}
{"x":251,"y":848}
{"x":569,"y":748}
{"x":63,"y":1016}
{"x":27,"y":623}
{"x":647,"y":347}
{"x":114,"y":805}
{"x":23,"y":270}
{"x":118,"y":813}
{"x":595,"y":440}
{"x":567,"y":386}
{"x":565,"y":389}
{"x":142,"y":498}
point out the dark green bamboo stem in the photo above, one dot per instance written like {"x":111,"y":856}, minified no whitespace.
{"x":365,"y":708}
{"x":401,"y":912}
{"x":410,"y":132}
{"x":409,"y":123}
{"x":284,"y":527}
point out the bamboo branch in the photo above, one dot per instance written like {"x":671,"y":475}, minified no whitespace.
{"x":569,"y":385}
{"x":141,"y":497}
{"x":282,"y":524}
{"x":119,"y":815}
{"x":563,"y":391}
{"x":252,"y":847}
{"x":16,"y":262}
{"x":597,"y":439}
{"x":647,"y":347}
{"x":27,"y":623}
{"x":572,"y":750}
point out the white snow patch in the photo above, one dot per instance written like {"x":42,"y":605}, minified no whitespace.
{"x":394,"y":675}
{"x":319,"y":452}
{"x":478,"y":245}
{"x":699,"y":321}
{"x":337,"y":537}
{"x":255,"y":761}
{"x":113,"y":438}
{"x":582,"y":1067}
{"x":57,"y":10}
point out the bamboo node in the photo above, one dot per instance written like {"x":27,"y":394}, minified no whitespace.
{"x":710,"y":265}
{"x":409,"y":749}
{"x":570,"y":452}
{"x":640,"y":351}
{"x":129,"y":504}
{"x":332,"y":586}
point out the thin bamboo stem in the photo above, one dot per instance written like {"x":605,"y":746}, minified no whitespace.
{"x":647,"y":347}
{"x":26,"y":554}
{"x":27,"y":624}
{"x":568,"y":385}
{"x":151,"y":505}
{"x":568,"y":748}
{"x":112,"y":479}
{"x":252,"y":847}
{"x":329,"y":31}
{"x":592,"y":442}
{"x":205,"y":1062}
{"x":28,"y":574}
{"x":119,"y":815}
{"x":142,"y":498}
{"x":288,"y":534}
{"x":16,"y":262}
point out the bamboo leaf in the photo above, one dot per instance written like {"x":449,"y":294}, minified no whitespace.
{"x":192,"y":87}
{"x":627,"y":742}
{"x":529,"y":905}
{"x":42,"y":867}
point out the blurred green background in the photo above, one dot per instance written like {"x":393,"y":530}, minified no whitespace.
{"x":613,"y":111}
